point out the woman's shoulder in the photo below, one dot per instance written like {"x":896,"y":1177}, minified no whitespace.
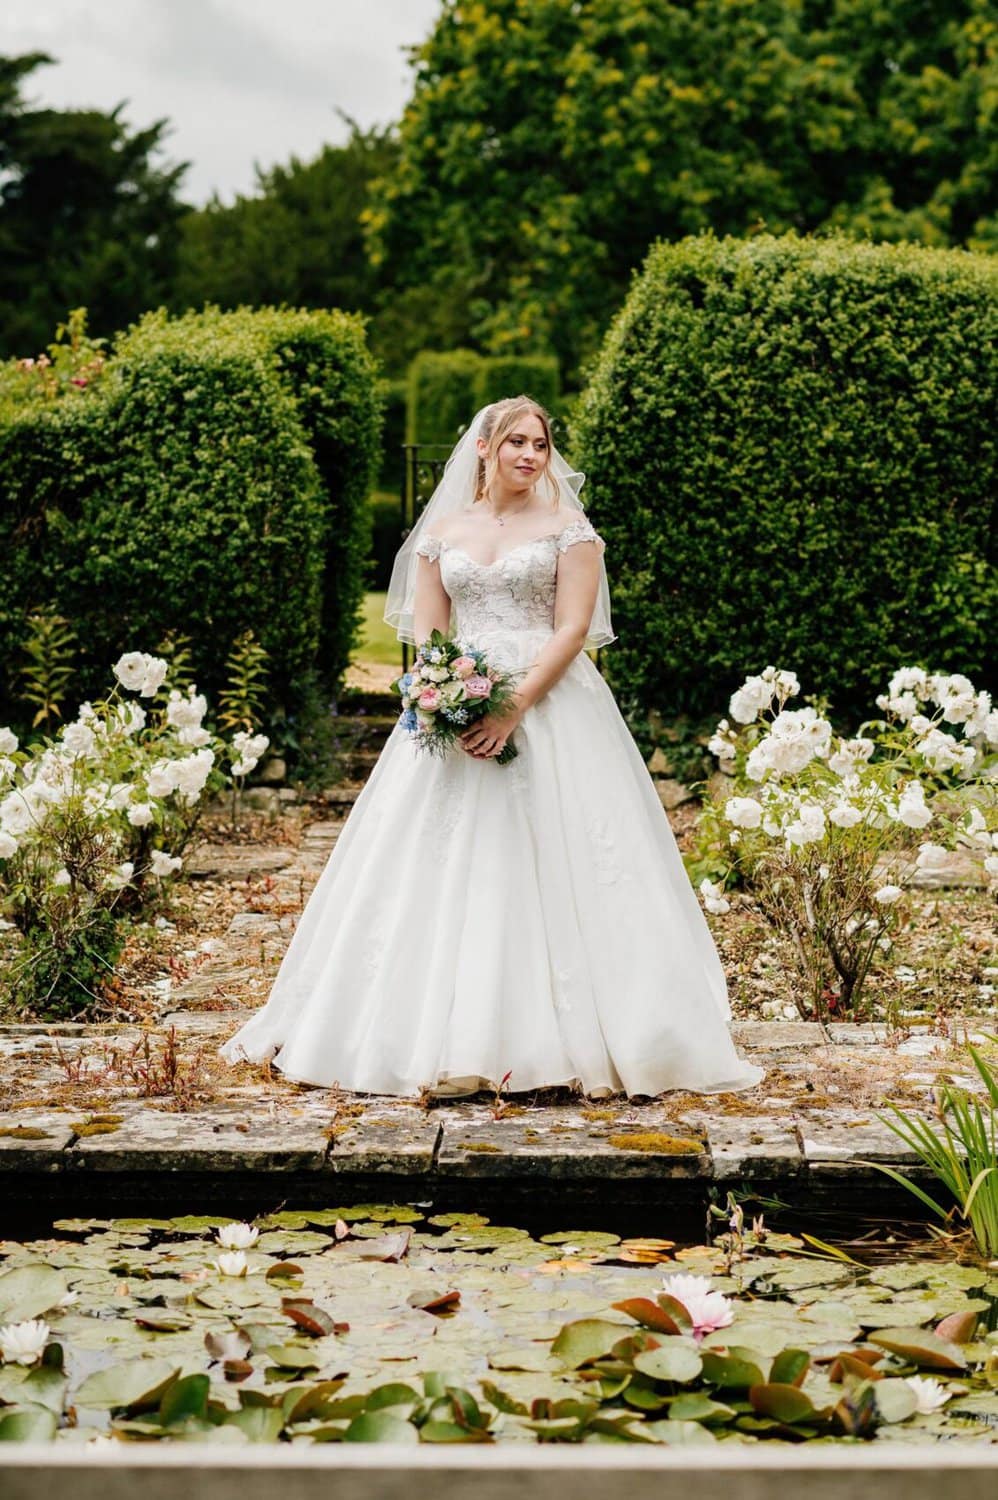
{"x":573,"y":526}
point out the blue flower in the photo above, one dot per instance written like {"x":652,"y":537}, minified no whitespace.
{"x":435,"y":656}
{"x":409,"y":720}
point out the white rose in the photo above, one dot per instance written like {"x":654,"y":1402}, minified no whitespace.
{"x":62,"y":877}
{"x":186,"y":713}
{"x":752,"y":698}
{"x":194,"y":735}
{"x":141,"y":815}
{"x":121,"y":875}
{"x":8,"y":845}
{"x":243,"y":767}
{"x":130,"y":669}
{"x":743,"y":812}
{"x":249,"y":746}
{"x":192,"y":772}
{"x":7,"y":768}
{"x":8,"y":742}
{"x":163,"y":864}
{"x":911,"y":808}
{"x":78,"y":740}
{"x":162,"y":778}
{"x":119,"y":795}
{"x":15,"y":814}
{"x":931,"y":857}
{"x":991,"y":864}
{"x":888,"y":894}
{"x":714,"y":898}
{"x":153,"y":677}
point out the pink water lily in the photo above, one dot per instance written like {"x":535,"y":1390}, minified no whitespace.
{"x":708,"y":1309}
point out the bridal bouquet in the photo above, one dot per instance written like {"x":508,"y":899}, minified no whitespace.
{"x":448,"y":688}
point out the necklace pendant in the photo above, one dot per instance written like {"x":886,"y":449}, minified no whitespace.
{"x":500,"y":520}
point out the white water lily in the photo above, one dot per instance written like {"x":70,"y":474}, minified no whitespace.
{"x":929,"y":1394}
{"x":23,"y":1343}
{"x":237,"y":1236}
{"x":708,"y":1309}
{"x":232,"y":1263}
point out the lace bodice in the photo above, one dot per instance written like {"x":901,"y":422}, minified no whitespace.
{"x":516,"y":592}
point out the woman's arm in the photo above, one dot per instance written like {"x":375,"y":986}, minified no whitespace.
{"x":575,"y":600}
{"x":432,"y":604}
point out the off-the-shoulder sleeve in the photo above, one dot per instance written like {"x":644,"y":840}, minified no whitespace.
{"x":581,"y":530}
{"x":428,"y":546}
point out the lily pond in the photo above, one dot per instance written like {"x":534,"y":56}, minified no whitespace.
{"x":389,"y":1323}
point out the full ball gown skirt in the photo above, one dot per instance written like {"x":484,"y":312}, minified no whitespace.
{"x":533,"y":920}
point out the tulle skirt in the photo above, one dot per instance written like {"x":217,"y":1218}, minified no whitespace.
{"x":530,"y":922}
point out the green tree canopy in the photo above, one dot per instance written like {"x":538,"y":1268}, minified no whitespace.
{"x":86,"y":215}
{"x":296,"y":239}
{"x":547,"y":143}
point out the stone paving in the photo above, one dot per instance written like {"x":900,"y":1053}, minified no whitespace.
{"x":814,"y":1121}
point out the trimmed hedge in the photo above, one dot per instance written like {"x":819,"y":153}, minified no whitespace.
{"x":509,"y":374}
{"x":792,"y":453}
{"x":215,"y":480}
{"x":446,"y":389}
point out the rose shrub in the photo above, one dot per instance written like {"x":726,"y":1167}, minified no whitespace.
{"x":94,"y":819}
{"x":822,"y":832}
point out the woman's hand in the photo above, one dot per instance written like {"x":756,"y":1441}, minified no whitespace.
{"x":487,"y":738}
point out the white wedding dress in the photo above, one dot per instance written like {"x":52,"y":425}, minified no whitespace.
{"x":532,"y":920}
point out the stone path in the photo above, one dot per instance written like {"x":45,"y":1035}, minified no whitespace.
{"x":105,"y":1109}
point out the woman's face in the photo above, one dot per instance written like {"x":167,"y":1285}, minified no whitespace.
{"x":523,"y":453}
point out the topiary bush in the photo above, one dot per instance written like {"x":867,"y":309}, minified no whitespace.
{"x":791,"y":451}
{"x":215,"y":480}
{"x":446,"y":389}
{"x":441,"y":395}
{"x":510,"y":374}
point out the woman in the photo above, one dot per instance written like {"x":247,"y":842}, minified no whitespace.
{"x":531,"y":921}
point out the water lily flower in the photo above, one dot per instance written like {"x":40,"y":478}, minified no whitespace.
{"x":929,"y":1394}
{"x":237,"y":1236}
{"x":232,"y":1263}
{"x":708,"y":1309}
{"x":23,"y":1343}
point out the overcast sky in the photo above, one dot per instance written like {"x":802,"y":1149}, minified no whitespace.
{"x":241,"y":81}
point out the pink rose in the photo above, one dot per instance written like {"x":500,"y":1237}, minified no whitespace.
{"x":462,"y":666}
{"x":477,"y":687}
{"x":429,"y":699}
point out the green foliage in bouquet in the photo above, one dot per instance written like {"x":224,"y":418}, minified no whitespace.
{"x":792,"y":454}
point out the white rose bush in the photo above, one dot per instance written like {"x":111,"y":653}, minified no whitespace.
{"x":94,"y":821}
{"x":822,"y":833}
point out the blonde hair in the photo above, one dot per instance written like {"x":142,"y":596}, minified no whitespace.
{"x":498,"y":422}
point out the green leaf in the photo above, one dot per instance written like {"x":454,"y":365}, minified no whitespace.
{"x":391,"y":1395}
{"x":698,"y":1407}
{"x":27,"y":1424}
{"x":584,"y":1340}
{"x":783,"y":1402}
{"x":921,"y":1347}
{"x":186,"y":1397}
{"x":678,"y":1361}
{"x":131,"y":1386}
{"x":676,"y":1434}
{"x":729,"y":1372}
{"x":666,"y":1315}
{"x":29,"y":1291}
{"x":380,"y":1427}
{"x":261,"y":1424}
{"x":790,"y":1367}
{"x":895,"y":1399}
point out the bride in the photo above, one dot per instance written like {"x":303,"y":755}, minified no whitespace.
{"x":531,"y":922}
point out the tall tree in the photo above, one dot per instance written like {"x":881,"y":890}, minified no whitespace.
{"x":297,"y":238}
{"x":87,"y":217}
{"x":548,"y":142}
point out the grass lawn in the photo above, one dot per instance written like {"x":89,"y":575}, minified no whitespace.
{"x":377,"y":640}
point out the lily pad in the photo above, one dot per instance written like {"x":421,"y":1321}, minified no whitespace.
{"x":380,"y":1427}
{"x":584,"y":1340}
{"x":28,"y":1291}
{"x":921,"y":1347}
{"x":674,"y":1359}
{"x":27,"y":1424}
{"x":130,"y":1386}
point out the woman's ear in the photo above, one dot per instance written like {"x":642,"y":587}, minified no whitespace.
{"x":482,"y":446}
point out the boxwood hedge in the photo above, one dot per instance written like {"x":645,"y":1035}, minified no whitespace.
{"x":214,"y":480}
{"x":791,"y":447}
{"x":446,"y":389}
